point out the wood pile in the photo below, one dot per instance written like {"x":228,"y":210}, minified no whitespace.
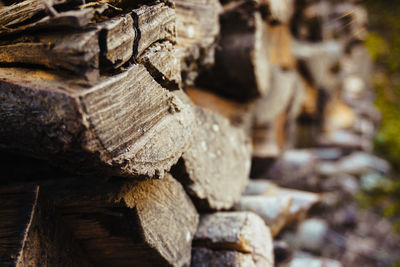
{"x":129,"y":130}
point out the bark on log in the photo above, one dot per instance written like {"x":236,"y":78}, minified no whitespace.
{"x":216,"y":160}
{"x":146,"y":223}
{"x":238,"y":231}
{"x":31,"y":232}
{"x":241,"y":70}
{"x":125,"y":125}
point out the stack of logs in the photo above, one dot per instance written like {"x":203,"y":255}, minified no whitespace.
{"x":129,"y":129}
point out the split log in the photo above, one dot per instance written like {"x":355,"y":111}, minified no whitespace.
{"x":125,"y":125}
{"x":197,"y":23}
{"x":273,"y":210}
{"x":216,"y":160}
{"x":154,"y":23}
{"x":31,"y":232}
{"x":203,"y":257}
{"x":75,"y":52}
{"x":241,"y":69}
{"x":302,"y":201}
{"x":117,"y":37}
{"x":162,"y":62}
{"x":146,"y":223}
{"x":239,"y":114}
{"x":236,"y":231}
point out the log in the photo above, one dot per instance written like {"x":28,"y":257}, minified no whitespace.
{"x":117,"y":37}
{"x":236,"y":231}
{"x":216,"y":160}
{"x":75,"y":52}
{"x":302,"y":201}
{"x":119,"y":223}
{"x":273,"y":210}
{"x":161,"y":60}
{"x":197,"y":23}
{"x":154,"y":23}
{"x":32,"y":233}
{"x":239,"y":114}
{"x":203,"y":257}
{"x":276,"y":112}
{"x":125,"y":125}
{"x":241,"y":69}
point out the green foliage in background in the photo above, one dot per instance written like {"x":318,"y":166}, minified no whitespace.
{"x":383,"y":43}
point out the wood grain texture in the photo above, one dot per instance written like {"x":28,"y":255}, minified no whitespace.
{"x":238,"y":231}
{"x":154,"y":23}
{"x":241,"y":69}
{"x":216,"y":160}
{"x":117,"y":37}
{"x":203,"y":257}
{"x":197,"y":23}
{"x":76,"y":52}
{"x":32,"y":233}
{"x":162,"y":62}
{"x":125,"y":125}
{"x":119,"y":223}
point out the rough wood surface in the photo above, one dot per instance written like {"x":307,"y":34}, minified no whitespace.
{"x":238,"y":231}
{"x":75,"y":52}
{"x":216,"y":160}
{"x":32,"y":234}
{"x":197,"y":23}
{"x":203,"y":257}
{"x":117,"y":37}
{"x":126,"y":125}
{"x":162,"y":62}
{"x":154,"y":23}
{"x":241,"y":69}
{"x":146,"y":223}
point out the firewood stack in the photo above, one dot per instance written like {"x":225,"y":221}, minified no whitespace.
{"x":129,"y":128}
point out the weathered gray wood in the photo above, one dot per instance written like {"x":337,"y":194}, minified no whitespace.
{"x":197,"y":23}
{"x":162,"y":62}
{"x":77,"y":52}
{"x":203,"y":257}
{"x":72,"y":19}
{"x":238,"y":231}
{"x":145,"y":223}
{"x":125,"y":125}
{"x":32,"y":234}
{"x":22,"y":11}
{"x":216,"y":160}
{"x":154,"y":23}
{"x":241,"y":69}
{"x":117,"y":37}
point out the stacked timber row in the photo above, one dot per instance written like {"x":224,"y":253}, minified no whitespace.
{"x":129,"y":129}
